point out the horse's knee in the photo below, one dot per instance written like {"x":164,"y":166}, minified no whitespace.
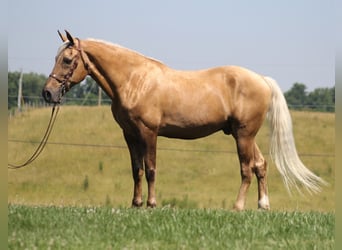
{"x":260,"y":167}
{"x":246,"y":173}
{"x":150,"y":174}
{"x":137,"y":174}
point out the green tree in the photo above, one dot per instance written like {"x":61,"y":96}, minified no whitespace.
{"x":13,"y":79}
{"x":32,"y":85}
{"x":296,"y":96}
{"x":85,"y":93}
{"x":322,"y":99}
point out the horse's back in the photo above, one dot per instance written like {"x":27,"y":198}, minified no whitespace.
{"x":241,"y":89}
{"x":199,"y":103}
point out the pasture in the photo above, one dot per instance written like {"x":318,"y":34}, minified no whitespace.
{"x":77,"y":194}
{"x":87,"y":163}
{"x":165,"y":228}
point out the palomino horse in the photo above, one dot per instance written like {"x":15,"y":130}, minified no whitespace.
{"x":150,"y":99}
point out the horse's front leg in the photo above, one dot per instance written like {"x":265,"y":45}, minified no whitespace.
{"x":136,"y":149}
{"x":150,"y":166}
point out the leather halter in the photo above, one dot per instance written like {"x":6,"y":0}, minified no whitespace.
{"x":65,"y":79}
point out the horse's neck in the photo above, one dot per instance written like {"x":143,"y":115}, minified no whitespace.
{"x":111,"y":66}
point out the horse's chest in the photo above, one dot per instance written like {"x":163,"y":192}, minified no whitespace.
{"x":122,"y":117}
{"x":134,"y":120}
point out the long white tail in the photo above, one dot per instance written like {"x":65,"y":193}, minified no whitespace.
{"x":282,"y":146}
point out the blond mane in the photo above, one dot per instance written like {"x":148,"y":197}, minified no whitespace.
{"x":123,"y":48}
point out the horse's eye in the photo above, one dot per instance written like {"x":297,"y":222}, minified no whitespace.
{"x":67,"y":60}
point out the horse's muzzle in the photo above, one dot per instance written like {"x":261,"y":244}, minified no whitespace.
{"x":51,"y":96}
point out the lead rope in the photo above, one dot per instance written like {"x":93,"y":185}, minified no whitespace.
{"x":43,"y":141}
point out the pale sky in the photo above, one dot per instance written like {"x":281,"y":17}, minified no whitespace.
{"x":291,"y":41}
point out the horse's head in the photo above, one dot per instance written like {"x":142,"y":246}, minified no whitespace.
{"x":70,"y":69}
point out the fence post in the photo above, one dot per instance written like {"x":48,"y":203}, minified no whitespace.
{"x":20,"y":90}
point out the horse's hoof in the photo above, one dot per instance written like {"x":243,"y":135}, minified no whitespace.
{"x":137,"y":204}
{"x":238,"y":207}
{"x":264,"y":208}
{"x":151,"y":204}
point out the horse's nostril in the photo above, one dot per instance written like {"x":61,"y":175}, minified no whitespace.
{"x":47,"y":95}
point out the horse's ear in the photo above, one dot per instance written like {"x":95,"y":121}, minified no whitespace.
{"x":62,"y":36}
{"x":70,"y":38}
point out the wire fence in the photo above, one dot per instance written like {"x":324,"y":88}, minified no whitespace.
{"x":313,"y":107}
{"x":38,"y":101}
{"x":185,"y":150}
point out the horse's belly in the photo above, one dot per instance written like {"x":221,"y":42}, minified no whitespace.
{"x":173,"y":131}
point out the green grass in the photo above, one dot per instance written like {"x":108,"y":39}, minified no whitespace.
{"x":165,"y":228}
{"x":187,"y":177}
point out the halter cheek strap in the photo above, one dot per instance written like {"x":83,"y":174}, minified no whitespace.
{"x":63,"y":81}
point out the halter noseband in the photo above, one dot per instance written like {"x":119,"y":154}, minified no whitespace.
{"x":64,"y":87}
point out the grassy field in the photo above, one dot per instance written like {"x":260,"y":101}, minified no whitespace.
{"x":77,"y":193}
{"x":193,"y":174}
{"x":121,"y":228}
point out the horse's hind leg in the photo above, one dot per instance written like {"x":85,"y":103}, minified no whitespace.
{"x":260,"y":170}
{"x":245,"y":147}
{"x":251,"y":161}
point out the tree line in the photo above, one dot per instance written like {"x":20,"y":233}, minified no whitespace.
{"x":86,"y":93}
{"x":320,"y":99}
